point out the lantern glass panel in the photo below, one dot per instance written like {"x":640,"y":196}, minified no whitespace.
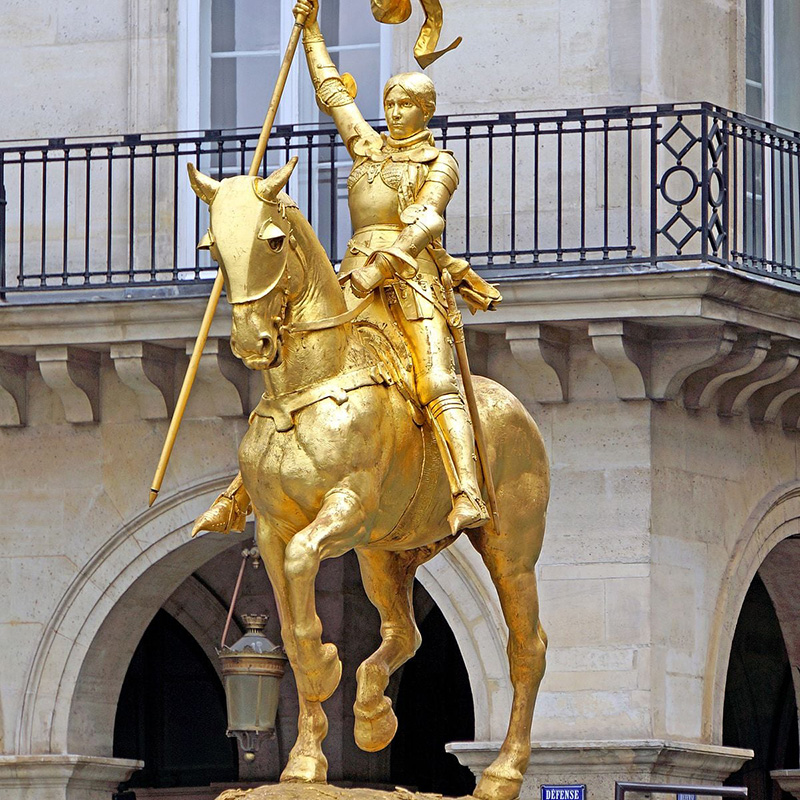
{"x":252,"y":702}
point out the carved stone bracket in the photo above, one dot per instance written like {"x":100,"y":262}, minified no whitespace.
{"x":225,"y":379}
{"x":150,"y":371}
{"x":543,"y":352}
{"x":623,"y":348}
{"x":737,"y":393}
{"x":779,"y":401}
{"x":13,"y":390}
{"x":74,"y":375}
{"x":702,"y":388}
{"x":682,"y":353}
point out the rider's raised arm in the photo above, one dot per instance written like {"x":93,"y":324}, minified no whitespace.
{"x":330,"y":89}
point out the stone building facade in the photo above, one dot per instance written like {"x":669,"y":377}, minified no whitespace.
{"x":667,"y":391}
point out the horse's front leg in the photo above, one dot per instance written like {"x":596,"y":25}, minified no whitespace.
{"x":337,"y":528}
{"x":307,"y":763}
{"x":388,"y":579}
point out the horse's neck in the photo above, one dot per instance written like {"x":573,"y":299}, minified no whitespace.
{"x":312,"y":356}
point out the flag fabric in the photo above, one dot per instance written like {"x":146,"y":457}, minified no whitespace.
{"x":394,"y":12}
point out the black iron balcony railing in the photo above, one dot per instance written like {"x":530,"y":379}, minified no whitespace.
{"x":541,"y":192}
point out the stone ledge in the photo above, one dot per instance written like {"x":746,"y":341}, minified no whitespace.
{"x":598,"y":764}
{"x":788,"y":780}
{"x":62,"y":777}
{"x":702,"y":291}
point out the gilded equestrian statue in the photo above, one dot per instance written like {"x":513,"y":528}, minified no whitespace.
{"x":361,"y":440}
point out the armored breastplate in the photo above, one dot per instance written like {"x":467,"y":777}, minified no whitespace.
{"x":372,"y":202}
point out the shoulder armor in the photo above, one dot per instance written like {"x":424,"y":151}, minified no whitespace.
{"x":444,"y":170}
{"x":424,"y":154}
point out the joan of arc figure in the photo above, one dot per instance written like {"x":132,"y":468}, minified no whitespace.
{"x":398,"y":190}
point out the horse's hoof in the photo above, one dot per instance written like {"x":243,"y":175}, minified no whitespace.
{"x":305,"y":769}
{"x":498,"y":784}
{"x":320,"y":683}
{"x":374,"y":730}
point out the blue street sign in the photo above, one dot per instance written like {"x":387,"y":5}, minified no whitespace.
{"x":575,"y":791}
{"x":687,"y":796}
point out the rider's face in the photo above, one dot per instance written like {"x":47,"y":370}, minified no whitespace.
{"x":403,"y":116}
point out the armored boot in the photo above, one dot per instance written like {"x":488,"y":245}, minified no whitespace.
{"x":228,"y":512}
{"x":453,"y":431}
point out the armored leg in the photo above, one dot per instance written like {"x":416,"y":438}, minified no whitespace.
{"x":228,"y":512}
{"x":453,"y":431}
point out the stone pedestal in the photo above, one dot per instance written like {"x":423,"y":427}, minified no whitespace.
{"x":600,"y":764}
{"x":62,"y":777}
{"x":788,"y":780}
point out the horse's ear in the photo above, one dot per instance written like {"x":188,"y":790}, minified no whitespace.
{"x":268,"y":188}
{"x":204,"y":187}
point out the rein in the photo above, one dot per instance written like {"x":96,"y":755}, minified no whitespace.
{"x":330,"y":322}
{"x":318,"y":324}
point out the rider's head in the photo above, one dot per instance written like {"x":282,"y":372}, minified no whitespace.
{"x":409,"y":101}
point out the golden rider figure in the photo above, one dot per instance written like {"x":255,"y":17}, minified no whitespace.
{"x":398,"y":190}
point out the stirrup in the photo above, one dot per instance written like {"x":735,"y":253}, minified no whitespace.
{"x":467,"y":512}
{"x":224,"y":516}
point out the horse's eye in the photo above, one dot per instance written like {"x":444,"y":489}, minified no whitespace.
{"x":272,"y":235}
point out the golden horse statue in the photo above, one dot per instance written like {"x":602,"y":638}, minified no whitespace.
{"x":334,"y":460}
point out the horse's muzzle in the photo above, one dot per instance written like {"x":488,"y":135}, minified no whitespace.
{"x":265,"y":356}
{"x":257,"y":348}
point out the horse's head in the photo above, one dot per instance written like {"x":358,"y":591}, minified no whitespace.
{"x":251,"y":239}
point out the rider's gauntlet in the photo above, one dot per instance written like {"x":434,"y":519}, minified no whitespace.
{"x":424,"y":225}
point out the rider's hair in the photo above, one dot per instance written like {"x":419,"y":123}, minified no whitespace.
{"x":418,"y":87}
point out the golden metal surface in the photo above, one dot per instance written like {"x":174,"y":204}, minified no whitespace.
{"x":362,"y":440}
{"x":397,"y":11}
{"x":345,"y":469}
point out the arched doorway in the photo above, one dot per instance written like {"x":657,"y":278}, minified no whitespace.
{"x":181,"y":743}
{"x":760,"y":711}
{"x":173,"y":672}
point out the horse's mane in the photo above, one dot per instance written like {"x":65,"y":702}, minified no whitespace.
{"x":307,"y":238}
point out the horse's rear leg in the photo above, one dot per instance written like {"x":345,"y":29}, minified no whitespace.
{"x":307,"y":763}
{"x":388,"y":579}
{"x":510,"y":556}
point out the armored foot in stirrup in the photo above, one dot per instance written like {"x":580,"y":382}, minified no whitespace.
{"x":227,"y":513}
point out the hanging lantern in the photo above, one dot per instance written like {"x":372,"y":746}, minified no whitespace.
{"x":251,"y":671}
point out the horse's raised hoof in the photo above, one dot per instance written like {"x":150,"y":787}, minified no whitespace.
{"x":499,"y":784}
{"x":375,"y":729}
{"x":320,"y":682}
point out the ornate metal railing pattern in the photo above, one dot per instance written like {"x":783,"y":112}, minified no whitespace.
{"x":626,"y":187}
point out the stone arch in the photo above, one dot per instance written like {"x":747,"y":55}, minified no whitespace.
{"x":75,"y":677}
{"x":774,"y":519}
{"x":80,"y":663}
{"x":203,"y":616}
{"x":460,"y":585}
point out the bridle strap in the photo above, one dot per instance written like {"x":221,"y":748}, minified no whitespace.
{"x":330,"y":322}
